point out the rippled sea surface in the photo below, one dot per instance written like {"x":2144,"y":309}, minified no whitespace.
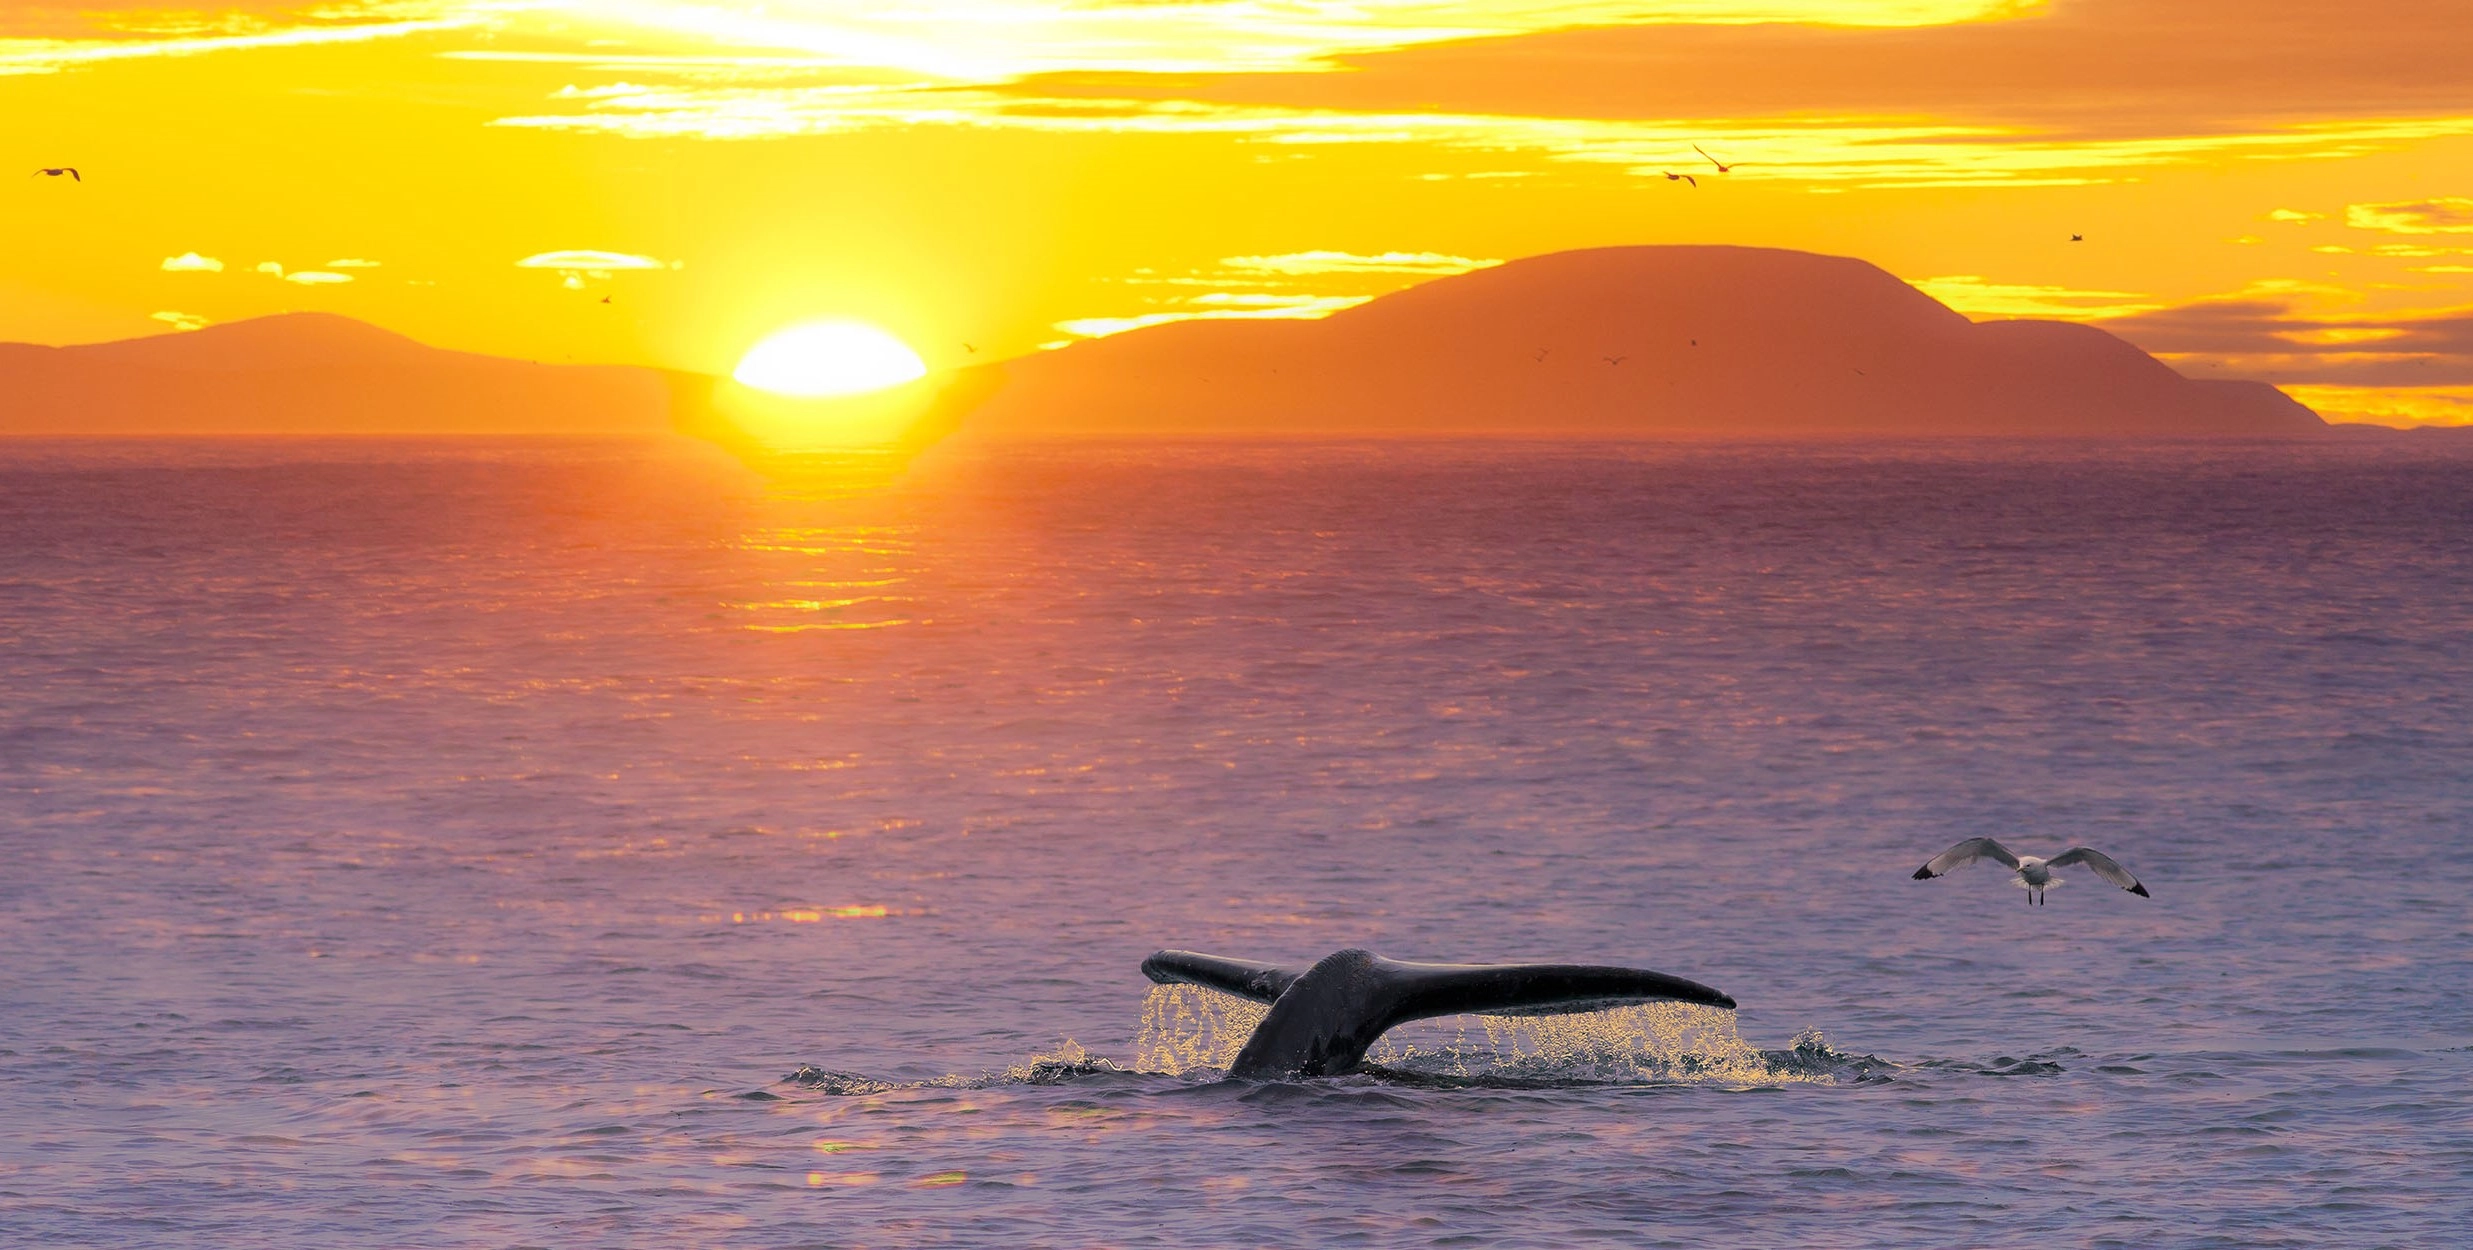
{"x":491,"y":845}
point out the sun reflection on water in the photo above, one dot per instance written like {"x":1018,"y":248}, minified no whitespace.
{"x":847,"y":577}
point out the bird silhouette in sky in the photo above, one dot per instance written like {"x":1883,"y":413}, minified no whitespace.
{"x":1614,"y":360}
{"x":2077,"y":238}
{"x":1674,"y":177}
{"x":968,"y":348}
{"x":1722,"y":167}
{"x":605,"y":299}
{"x":70,"y":170}
{"x":1542,"y":353}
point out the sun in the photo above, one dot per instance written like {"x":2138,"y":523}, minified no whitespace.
{"x":816,"y":359}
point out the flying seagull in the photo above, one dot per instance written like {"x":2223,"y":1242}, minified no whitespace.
{"x":1614,"y":360}
{"x":1722,"y":167}
{"x":70,"y":170}
{"x":2029,"y":873}
{"x":2077,"y":238}
{"x":1674,"y":177}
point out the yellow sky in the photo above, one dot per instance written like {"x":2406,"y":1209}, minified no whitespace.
{"x":2267,"y":188}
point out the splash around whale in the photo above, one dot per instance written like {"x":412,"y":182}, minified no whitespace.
{"x":1324,"y":1018}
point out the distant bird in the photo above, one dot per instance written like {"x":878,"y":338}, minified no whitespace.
{"x":70,"y":170}
{"x":1722,"y":167}
{"x":2077,"y":238}
{"x":1542,"y":353}
{"x":2029,"y":873}
{"x":605,"y":299}
{"x":1673,"y":177}
{"x":1614,"y":360}
{"x":968,"y":348}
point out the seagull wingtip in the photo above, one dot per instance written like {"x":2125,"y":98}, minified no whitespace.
{"x":2140,"y":891}
{"x":1924,"y":873}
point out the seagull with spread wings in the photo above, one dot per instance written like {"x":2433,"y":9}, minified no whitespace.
{"x":1722,"y":167}
{"x":2026,"y":871}
{"x":70,"y":170}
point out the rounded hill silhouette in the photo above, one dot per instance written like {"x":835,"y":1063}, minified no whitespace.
{"x":1631,"y":342}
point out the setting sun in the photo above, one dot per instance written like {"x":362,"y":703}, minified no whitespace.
{"x":820,"y":359}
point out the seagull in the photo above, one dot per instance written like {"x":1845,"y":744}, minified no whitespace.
{"x":1672,"y":177}
{"x":1542,"y":353}
{"x":1722,"y":167}
{"x":968,"y":348}
{"x":2032,"y":875}
{"x":2077,"y":238}
{"x":1614,"y":360}
{"x":70,"y":170}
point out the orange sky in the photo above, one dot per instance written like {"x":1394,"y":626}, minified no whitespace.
{"x":2280,"y":189}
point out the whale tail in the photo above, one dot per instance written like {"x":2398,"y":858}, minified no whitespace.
{"x":1324,"y":1018}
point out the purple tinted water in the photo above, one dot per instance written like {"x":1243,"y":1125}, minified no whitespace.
{"x":456,"y":844}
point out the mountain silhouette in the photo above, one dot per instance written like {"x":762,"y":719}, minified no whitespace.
{"x":1643,"y":342}
{"x":1630,"y":342}
{"x":315,"y":373}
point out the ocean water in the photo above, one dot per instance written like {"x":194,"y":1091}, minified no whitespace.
{"x":493,"y":845}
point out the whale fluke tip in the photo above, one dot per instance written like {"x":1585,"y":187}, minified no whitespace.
{"x":2140,"y":891}
{"x":1323,"y":1018}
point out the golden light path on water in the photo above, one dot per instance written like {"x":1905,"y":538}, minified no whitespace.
{"x":843,"y":577}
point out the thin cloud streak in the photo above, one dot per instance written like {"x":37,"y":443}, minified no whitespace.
{"x":989,"y":40}
{"x":51,"y":56}
{"x":1299,"y":264}
{"x":1866,"y":152}
{"x":2293,"y":337}
{"x":2448,"y":214}
{"x":1220,"y":306}
{"x":1977,"y":298}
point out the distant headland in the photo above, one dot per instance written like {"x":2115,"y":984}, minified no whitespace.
{"x":314,"y":373}
{"x":1632,"y":342}
{"x":1624,"y":342}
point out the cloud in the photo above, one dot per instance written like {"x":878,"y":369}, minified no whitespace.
{"x":580,"y":260}
{"x":268,"y":266}
{"x":2389,"y":405}
{"x":575,"y":265}
{"x":1863,"y":151}
{"x":191,"y":262}
{"x":2084,"y":68}
{"x":2448,"y":214}
{"x":352,"y":262}
{"x":314,"y":277}
{"x":2293,"y":214}
{"x":983,"y":40}
{"x":1977,"y":298}
{"x":51,"y":55}
{"x":181,"y":320}
{"x":1432,"y":264}
{"x":1220,"y":306}
{"x":2308,"y":336}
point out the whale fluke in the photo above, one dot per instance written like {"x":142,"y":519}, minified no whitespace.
{"x":1323,"y":1019}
